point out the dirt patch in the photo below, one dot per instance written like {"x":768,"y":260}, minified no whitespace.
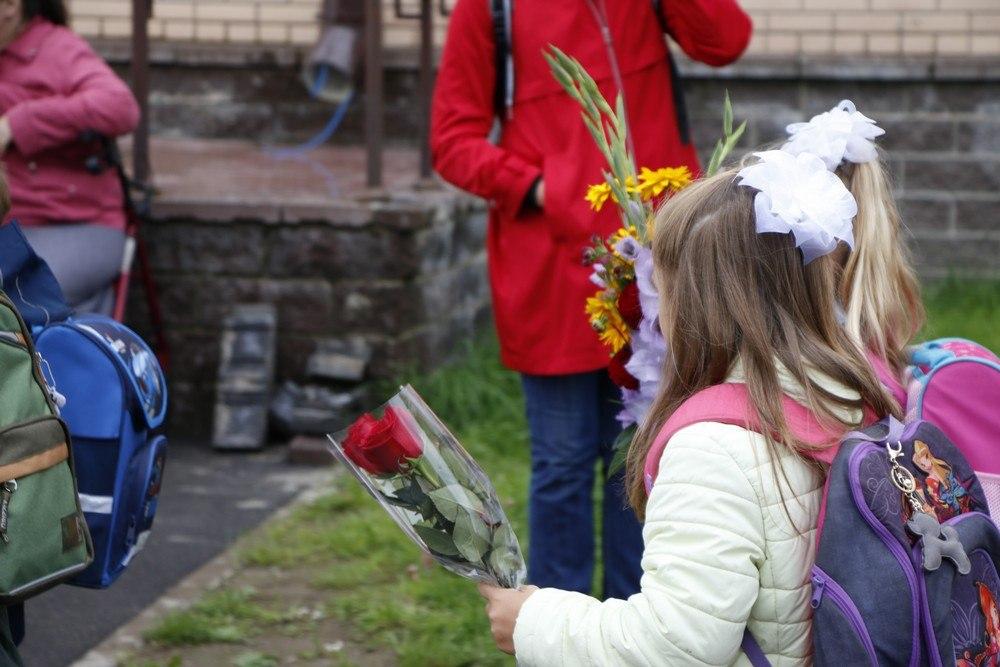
{"x":300,"y":631}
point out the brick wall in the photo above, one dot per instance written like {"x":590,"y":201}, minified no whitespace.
{"x":407,"y":275}
{"x":942,"y":141}
{"x":874,"y":27}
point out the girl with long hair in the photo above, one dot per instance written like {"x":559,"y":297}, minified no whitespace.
{"x":730,"y":520}
{"x":878,"y":286}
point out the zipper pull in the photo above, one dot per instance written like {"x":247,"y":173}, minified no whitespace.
{"x":6,"y":494}
{"x":819,"y":586}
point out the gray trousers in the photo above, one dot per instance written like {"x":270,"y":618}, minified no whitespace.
{"x":86,"y":259}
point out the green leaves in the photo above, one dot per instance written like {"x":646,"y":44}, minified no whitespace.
{"x":472,"y":537}
{"x":620,"y":449}
{"x":505,"y":559}
{"x":437,"y":541}
{"x":452,"y":499}
{"x":725,"y":145}
{"x":609,"y":129}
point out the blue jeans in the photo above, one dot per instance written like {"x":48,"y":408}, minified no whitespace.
{"x":571,"y":419}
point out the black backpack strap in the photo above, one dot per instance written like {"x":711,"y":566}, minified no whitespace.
{"x":676,"y":85}
{"x":503,"y":92}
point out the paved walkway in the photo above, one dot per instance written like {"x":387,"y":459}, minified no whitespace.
{"x":208,"y":500}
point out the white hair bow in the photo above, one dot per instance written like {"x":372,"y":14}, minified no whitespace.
{"x":797,"y":194}
{"x":842,"y":133}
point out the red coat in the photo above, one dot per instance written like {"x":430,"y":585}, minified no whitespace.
{"x":538,"y":280}
{"x":52,"y":88}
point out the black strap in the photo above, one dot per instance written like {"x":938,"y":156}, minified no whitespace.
{"x":680,"y":106}
{"x":502,"y":54}
{"x":676,"y":84}
{"x":502,"y":49}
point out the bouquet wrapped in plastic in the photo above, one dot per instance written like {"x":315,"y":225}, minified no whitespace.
{"x":414,"y":467}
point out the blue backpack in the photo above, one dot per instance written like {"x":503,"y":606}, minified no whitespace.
{"x":116,"y":401}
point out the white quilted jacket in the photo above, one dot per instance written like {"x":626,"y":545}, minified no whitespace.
{"x":720,"y":554}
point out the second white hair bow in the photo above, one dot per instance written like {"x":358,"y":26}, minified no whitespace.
{"x":798,"y":194}
{"x":842,"y":133}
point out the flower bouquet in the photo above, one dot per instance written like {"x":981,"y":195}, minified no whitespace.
{"x":414,"y":467}
{"x":624,"y":310}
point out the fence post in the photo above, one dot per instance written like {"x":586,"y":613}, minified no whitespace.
{"x":374,"y":98}
{"x":139,"y":71}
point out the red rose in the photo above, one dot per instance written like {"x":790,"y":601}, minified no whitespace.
{"x":616,"y":370}
{"x":381,"y":446}
{"x":629,"y":307}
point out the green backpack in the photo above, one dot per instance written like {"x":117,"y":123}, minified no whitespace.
{"x":43,"y":534}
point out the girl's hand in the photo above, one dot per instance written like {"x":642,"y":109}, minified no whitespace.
{"x":502,"y":608}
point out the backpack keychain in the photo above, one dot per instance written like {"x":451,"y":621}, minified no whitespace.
{"x":937,"y":541}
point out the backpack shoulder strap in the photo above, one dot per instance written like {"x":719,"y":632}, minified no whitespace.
{"x":729,"y":403}
{"x":503,"y":91}
{"x":676,"y":85}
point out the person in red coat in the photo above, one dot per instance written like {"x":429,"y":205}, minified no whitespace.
{"x":535,"y":178}
{"x":53,"y":90}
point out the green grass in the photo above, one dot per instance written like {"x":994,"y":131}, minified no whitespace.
{"x":964,"y":309}
{"x":224,"y":616}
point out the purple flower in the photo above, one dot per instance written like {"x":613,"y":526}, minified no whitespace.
{"x":629,"y":248}
{"x":648,"y":297}
{"x":649,"y":352}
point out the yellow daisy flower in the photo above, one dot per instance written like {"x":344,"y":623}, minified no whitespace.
{"x":598,"y":195}
{"x":607,"y":322}
{"x":653,"y":183}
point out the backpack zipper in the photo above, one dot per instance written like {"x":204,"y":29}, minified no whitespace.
{"x":6,"y":495}
{"x":840,"y":599}
{"x":899,"y":552}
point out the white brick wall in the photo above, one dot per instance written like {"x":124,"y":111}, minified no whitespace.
{"x":783,"y":27}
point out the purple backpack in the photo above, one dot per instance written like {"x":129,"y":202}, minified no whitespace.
{"x":907,"y":558}
{"x":906,"y":568}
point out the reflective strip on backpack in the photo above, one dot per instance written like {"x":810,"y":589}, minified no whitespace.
{"x":96,"y":504}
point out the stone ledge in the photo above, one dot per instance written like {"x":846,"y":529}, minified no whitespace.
{"x":393,"y":214}
{"x":228,"y":181}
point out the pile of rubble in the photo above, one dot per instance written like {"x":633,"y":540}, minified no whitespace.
{"x":249,"y":409}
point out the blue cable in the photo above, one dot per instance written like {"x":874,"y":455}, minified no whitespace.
{"x":328,"y":131}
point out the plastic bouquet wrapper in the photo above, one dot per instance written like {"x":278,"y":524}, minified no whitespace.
{"x":418,"y":472}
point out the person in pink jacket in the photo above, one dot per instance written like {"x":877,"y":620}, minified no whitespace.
{"x":53,"y":90}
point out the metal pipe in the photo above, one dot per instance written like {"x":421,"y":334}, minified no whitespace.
{"x":139,"y":70}
{"x":374,"y":98}
{"x":426,"y":83}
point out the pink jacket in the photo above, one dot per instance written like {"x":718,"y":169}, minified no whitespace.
{"x":53,"y":87}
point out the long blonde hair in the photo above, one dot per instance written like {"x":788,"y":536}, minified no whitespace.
{"x":731,"y":294}
{"x":878,"y":286}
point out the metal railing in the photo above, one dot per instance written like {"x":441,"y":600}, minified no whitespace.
{"x":374,"y":82}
